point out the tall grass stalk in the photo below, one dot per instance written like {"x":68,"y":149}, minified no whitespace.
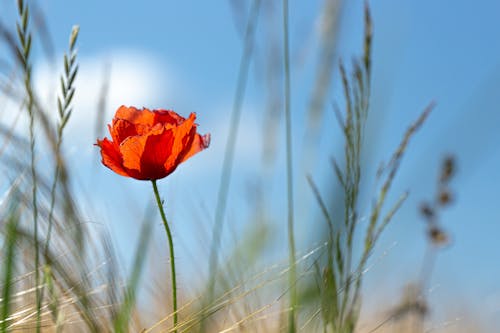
{"x":330,"y":18}
{"x":227,"y":164}
{"x":64,"y":110}
{"x":122,"y":319}
{"x":437,"y":237}
{"x":289,"y":175}
{"x":342,"y":278}
{"x":24,"y":51}
{"x":8,"y":267}
{"x":171,"y":248}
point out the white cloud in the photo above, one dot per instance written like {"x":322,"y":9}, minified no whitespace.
{"x":135,"y":78}
{"x":139,"y":79}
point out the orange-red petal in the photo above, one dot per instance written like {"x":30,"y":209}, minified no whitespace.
{"x":120,"y":130}
{"x":200,"y":142}
{"x":146,"y":154}
{"x":156,"y":152}
{"x":135,"y":116}
{"x":183,"y":138}
{"x":111,"y":157}
{"x":129,"y":121}
{"x":168,"y":117}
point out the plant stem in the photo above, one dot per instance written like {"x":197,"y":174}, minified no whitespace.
{"x":171,"y":247}
{"x":227,"y":164}
{"x":24,"y":51}
{"x":291,"y":238}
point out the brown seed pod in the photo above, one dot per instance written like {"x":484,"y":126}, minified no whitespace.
{"x":438,"y":236}
{"x":445,"y":197}
{"x":448,"y":169}
{"x":427,"y":211}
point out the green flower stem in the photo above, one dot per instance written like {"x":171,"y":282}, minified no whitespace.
{"x":171,"y":246}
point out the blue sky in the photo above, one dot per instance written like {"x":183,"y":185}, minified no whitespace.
{"x":185,"y":54}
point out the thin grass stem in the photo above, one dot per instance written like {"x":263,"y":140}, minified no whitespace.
{"x":24,"y":52}
{"x":64,"y":114}
{"x":289,"y":172}
{"x":8,"y":267}
{"x":227,"y":164}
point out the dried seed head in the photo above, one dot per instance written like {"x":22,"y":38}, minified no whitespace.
{"x":447,"y":169}
{"x":445,"y":197}
{"x":427,"y":211}
{"x":438,"y":236}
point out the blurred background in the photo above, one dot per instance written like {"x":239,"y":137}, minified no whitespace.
{"x":186,"y":55}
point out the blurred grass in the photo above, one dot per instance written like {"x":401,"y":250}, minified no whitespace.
{"x":82,"y":288}
{"x":227,"y":164}
{"x":8,"y":267}
{"x":292,"y":280}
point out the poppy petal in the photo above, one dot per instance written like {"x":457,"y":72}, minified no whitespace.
{"x":200,"y":142}
{"x":156,"y":151}
{"x":183,"y":138}
{"x":135,"y":116}
{"x":111,"y":157}
{"x":168,"y":117}
{"x":120,"y":130}
{"x":146,"y":154}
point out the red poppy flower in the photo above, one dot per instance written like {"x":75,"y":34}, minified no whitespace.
{"x":149,"y":145}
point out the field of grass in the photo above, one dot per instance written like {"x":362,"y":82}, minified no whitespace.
{"x":60,"y":273}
